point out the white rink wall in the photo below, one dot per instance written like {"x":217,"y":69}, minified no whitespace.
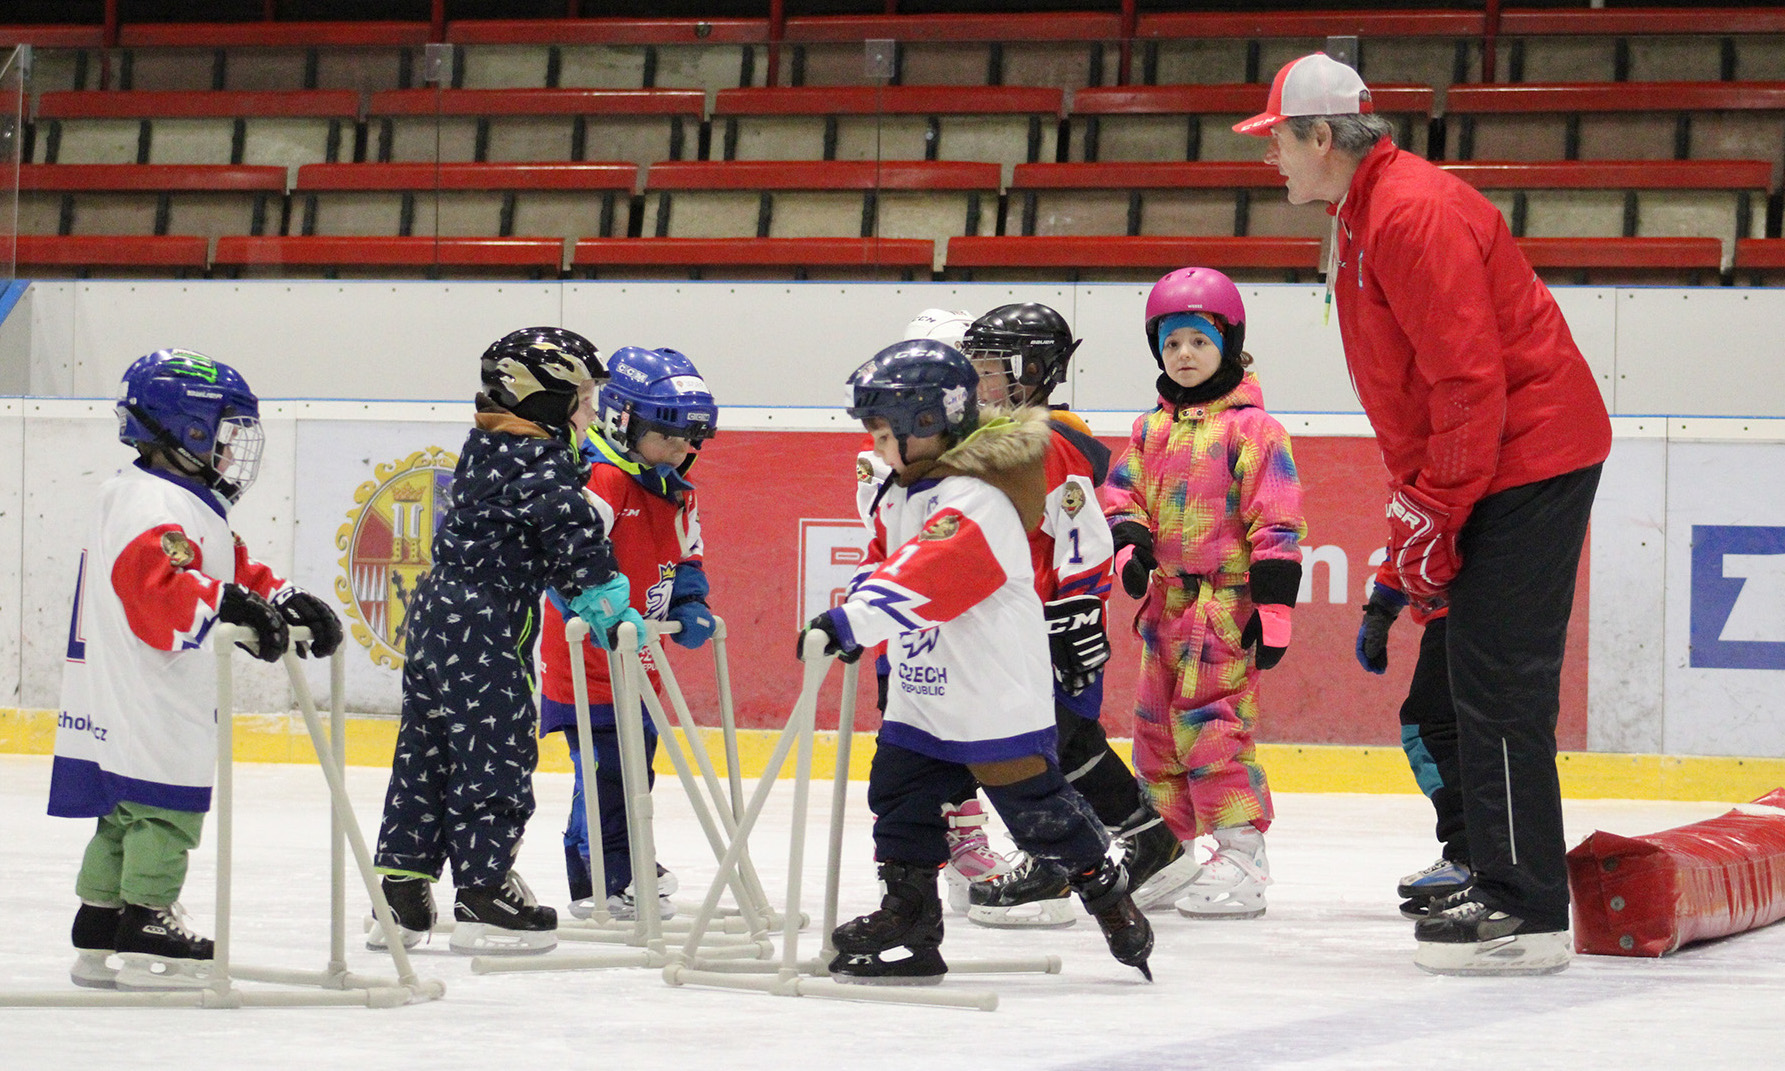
{"x":1687,"y":615}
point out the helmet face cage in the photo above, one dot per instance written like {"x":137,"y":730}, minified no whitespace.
{"x":199,"y":411}
{"x":655,"y":390}
{"x":1029,"y":344}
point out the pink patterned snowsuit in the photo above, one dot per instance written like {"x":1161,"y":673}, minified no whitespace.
{"x":1216,"y":485}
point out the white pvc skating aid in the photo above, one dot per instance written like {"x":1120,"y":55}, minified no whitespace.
{"x":147,"y":981}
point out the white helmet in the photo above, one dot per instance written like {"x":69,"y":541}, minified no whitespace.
{"x":940,"y":325}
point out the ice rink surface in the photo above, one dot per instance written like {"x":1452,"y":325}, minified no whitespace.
{"x":1324,"y":980}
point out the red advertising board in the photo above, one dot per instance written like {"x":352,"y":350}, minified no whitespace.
{"x":778,"y":512}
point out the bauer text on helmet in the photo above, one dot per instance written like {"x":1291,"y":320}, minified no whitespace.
{"x":1021,"y":352}
{"x":1315,"y":84}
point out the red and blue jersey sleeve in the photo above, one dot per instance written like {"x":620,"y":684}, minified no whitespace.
{"x":253,"y":575}
{"x":168,"y":601}
{"x":946,"y":570}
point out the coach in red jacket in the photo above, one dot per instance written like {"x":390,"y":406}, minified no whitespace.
{"x":1493,"y":432}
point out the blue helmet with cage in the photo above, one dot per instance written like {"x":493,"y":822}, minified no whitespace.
{"x":197,"y":411}
{"x":920,"y":387}
{"x":654,"y":390}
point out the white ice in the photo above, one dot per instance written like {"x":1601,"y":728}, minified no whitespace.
{"x":1324,"y":980}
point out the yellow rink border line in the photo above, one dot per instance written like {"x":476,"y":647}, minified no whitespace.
{"x":371,"y":741}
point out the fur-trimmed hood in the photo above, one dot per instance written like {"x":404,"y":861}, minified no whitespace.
{"x":1007,"y":450}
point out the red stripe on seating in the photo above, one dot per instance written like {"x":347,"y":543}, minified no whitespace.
{"x":608,"y":31}
{"x":272,"y":34}
{"x":691,"y":102}
{"x":967,"y":29}
{"x":904,"y":252}
{"x":1760,"y":253}
{"x":1380,"y":24}
{"x":1146,"y":251}
{"x":54,"y":35}
{"x":1616,"y":174}
{"x":202,"y":177}
{"x":383,"y":251}
{"x":1231,"y":98}
{"x":1622,"y":252}
{"x":1612,"y":23}
{"x":1616,"y":97}
{"x":891,"y":100}
{"x":205,"y":104}
{"x":463,"y":176}
{"x":1144,"y":175}
{"x":823,"y":175}
{"x":112,"y":250}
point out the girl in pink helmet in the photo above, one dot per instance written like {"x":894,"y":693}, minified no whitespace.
{"x":1206,"y":510}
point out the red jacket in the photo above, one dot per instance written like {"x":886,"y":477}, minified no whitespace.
{"x":1459,"y":354}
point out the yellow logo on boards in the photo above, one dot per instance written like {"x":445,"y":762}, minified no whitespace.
{"x":389,"y":545}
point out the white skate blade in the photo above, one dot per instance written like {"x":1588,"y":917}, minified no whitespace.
{"x":850,"y":979}
{"x":582,"y":909}
{"x":90,"y":971}
{"x":483,"y":939}
{"x":1528,"y":953}
{"x":1053,"y":914}
{"x":621,"y":911}
{"x":375,"y":937}
{"x":1232,"y":909}
{"x":1168,"y":884}
{"x":957,"y":890}
{"x":145,"y":973}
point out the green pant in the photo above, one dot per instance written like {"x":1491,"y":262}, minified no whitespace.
{"x":138,"y":855}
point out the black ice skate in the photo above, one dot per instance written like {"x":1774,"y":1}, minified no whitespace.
{"x":411,"y":901}
{"x":1424,"y":888}
{"x":1465,"y":936}
{"x":502,"y":920}
{"x":909,"y":921}
{"x":158,"y":951}
{"x":1104,"y":892}
{"x":1159,"y":869}
{"x":95,"y":938}
{"x":1034,"y":895}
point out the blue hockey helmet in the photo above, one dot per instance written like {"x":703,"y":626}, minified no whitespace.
{"x":920,"y":387}
{"x":197,"y":410}
{"x":654,"y":390}
{"x":537,"y":373}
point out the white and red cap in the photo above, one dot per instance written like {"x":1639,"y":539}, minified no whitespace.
{"x":1315,"y":84}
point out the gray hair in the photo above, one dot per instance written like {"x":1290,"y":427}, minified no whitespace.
{"x":1354,"y":135}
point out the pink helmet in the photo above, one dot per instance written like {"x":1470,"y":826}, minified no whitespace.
{"x":1198,"y":290}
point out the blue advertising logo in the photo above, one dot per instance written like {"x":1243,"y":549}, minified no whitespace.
{"x":1738,"y":597}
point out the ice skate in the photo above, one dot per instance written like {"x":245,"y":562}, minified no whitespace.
{"x":411,"y":901}
{"x":95,"y":938}
{"x":1034,"y":895}
{"x":623,"y":905}
{"x":502,"y":920}
{"x":1159,"y":869}
{"x":1231,"y":885}
{"x":970,"y":855}
{"x":1104,"y":892}
{"x":158,"y":951}
{"x":1468,"y":937}
{"x":583,"y":906}
{"x":908,"y":926}
{"x":1443,"y":878}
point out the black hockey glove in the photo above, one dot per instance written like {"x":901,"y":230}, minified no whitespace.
{"x":300,"y":609}
{"x":1076,"y":640}
{"x":833,"y":643}
{"x":1274,"y":583}
{"x":1141,"y":563}
{"x":1380,"y":612}
{"x":240,"y":606}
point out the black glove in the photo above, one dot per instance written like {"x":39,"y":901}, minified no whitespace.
{"x":833,"y":643}
{"x":1141,"y":564}
{"x":1274,"y":583}
{"x":301,"y":609}
{"x":1076,"y":641}
{"x":1372,"y":634}
{"x":240,"y":606}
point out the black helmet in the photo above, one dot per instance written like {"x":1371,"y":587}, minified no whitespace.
{"x":1031,"y":344}
{"x":536,"y":374}
{"x":920,"y":387}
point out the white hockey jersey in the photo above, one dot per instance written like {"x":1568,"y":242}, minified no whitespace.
{"x":139,"y":689}
{"x":955,"y":599}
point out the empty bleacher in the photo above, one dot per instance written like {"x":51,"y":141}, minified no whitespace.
{"x":566,"y":200}
{"x":1195,"y":122}
{"x":484,"y":125}
{"x":283,"y":128}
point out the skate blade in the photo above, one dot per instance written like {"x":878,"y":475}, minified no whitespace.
{"x":1531,"y":953}
{"x":1416,"y":908}
{"x":887,"y":980}
{"x":90,"y":971}
{"x":143,"y":973}
{"x":1054,"y":914}
{"x":482,"y":939}
{"x":375,"y":941}
{"x":1166,"y":886}
{"x":1208,"y":913}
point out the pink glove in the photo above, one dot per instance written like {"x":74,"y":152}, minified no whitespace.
{"x":1421,"y":545}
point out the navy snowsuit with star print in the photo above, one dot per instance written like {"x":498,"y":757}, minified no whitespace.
{"x":461,"y":786}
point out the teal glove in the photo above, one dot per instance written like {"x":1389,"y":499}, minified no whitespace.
{"x":605,"y":607}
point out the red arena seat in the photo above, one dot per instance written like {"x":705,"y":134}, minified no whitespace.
{"x":470,"y":200}
{"x":754,"y":258}
{"x":341,"y":257}
{"x":483,"y":125}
